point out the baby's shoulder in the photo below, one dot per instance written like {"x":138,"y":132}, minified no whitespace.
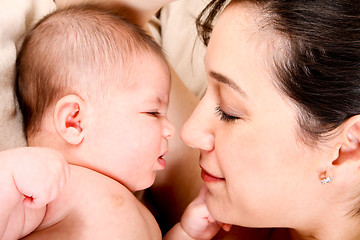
{"x":93,"y":206}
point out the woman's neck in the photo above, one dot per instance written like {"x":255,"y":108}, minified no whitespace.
{"x":349,"y":229}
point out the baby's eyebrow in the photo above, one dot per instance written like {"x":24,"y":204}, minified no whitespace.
{"x":157,"y":100}
{"x":223,"y":79}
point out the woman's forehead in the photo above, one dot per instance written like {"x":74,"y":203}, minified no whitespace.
{"x":237,"y":42}
{"x":240,"y":51}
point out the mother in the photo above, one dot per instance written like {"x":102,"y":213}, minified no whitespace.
{"x":279,"y":126}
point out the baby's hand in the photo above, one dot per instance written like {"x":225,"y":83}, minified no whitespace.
{"x":39,"y":175}
{"x":197,"y":221}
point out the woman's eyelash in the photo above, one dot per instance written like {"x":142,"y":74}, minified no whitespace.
{"x":223,"y":116}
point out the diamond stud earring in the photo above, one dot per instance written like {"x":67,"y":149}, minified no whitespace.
{"x":326,"y":180}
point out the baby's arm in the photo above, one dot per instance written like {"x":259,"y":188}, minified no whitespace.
{"x":196,"y":222}
{"x":29,"y":178}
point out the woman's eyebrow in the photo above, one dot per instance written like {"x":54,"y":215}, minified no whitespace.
{"x":223,"y":79}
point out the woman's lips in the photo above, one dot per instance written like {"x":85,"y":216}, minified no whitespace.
{"x":208,"y":178}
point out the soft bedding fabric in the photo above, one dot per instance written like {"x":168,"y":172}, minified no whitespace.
{"x":16,"y":17}
{"x":178,"y":37}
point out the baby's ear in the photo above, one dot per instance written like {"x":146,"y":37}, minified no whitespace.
{"x":68,"y":116}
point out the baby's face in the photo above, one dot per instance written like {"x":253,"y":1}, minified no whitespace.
{"x":130,"y":131}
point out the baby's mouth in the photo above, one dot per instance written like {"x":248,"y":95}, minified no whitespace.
{"x":162,"y":161}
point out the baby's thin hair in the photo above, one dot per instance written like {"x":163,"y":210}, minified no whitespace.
{"x":80,"y":49}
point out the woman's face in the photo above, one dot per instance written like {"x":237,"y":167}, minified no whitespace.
{"x":257,"y":169}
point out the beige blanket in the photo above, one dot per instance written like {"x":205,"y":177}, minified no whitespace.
{"x":16,"y":16}
{"x":179,"y":39}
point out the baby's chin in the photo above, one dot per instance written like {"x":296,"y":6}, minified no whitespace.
{"x":144,"y":183}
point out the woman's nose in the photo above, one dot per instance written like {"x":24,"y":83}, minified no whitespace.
{"x":197,"y":131}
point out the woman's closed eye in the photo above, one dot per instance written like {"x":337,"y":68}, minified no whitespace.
{"x":224,"y":116}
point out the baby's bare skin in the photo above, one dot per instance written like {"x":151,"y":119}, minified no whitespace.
{"x":91,"y":203}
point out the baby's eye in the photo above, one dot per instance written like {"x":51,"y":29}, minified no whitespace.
{"x":225,"y":117}
{"x":154,"y":113}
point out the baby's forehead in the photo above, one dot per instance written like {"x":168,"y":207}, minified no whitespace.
{"x":145,"y":74}
{"x":128,"y":70}
{"x":145,"y":70}
{"x":154,"y":93}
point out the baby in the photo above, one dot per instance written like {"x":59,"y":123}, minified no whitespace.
{"x":94,"y":91}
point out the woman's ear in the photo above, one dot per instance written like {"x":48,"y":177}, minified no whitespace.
{"x":346,"y":166}
{"x":351,"y":137}
{"x":68,"y":118}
